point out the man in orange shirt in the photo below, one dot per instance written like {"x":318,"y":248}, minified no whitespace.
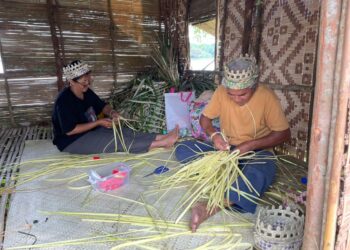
{"x":252,"y":119}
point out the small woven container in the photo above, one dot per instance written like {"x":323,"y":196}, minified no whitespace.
{"x":279,"y":229}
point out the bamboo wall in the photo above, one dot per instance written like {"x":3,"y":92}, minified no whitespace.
{"x":38,"y":37}
{"x":283,"y":37}
{"x":287,"y":56}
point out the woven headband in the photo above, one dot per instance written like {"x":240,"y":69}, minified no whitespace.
{"x":241,"y":79}
{"x":76,"y":69}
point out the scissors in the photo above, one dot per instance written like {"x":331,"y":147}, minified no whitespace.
{"x":158,"y":170}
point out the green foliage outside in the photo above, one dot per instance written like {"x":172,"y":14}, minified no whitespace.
{"x":202,"y":50}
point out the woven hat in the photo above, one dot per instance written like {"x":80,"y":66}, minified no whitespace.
{"x":241,"y":73}
{"x":75,"y":69}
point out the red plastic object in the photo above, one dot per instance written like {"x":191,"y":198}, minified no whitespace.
{"x":114,"y":181}
{"x":118,"y":178}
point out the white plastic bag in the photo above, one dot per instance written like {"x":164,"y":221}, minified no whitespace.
{"x":177,"y":109}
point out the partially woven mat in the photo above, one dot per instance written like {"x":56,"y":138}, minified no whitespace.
{"x":27,"y":224}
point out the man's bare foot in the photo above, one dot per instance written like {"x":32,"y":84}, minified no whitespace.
{"x":200,"y":214}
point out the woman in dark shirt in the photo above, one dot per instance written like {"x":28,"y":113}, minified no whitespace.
{"x":77,"y":129}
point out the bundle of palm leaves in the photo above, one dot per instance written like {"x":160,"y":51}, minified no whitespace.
{"x":145,"y":107}
{"x":143,"y":100}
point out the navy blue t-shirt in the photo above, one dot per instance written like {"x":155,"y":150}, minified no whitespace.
{"x":70,"y":111}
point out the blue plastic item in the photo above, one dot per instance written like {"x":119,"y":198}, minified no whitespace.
{"x":158,"y":170}
{"x":303,"y":180}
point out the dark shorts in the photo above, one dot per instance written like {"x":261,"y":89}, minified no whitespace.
{"x":101,"y":140}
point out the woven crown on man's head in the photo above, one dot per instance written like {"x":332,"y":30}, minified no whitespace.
{"x":241,"y":73}
{"x":75,"y":69}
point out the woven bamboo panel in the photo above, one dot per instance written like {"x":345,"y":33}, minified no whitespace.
{"x":233,"y":29}
{"x":84,"y":31}
{"x":26,"y":39}
{"x":86,"y":36}
{"x":342,"y":238}
{"x":230,"y":30}
{"x":288,"y":46}
{"x":27,"y":115}
{"x":296,"y":105}
{"x":86,"y":4}
{"x":288,"y":52}
{"x":3,"y":99}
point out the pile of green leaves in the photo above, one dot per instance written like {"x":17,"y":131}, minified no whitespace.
{"x":145,"y":105}
{"x":198,"y":82}
{"x":143,"y":100}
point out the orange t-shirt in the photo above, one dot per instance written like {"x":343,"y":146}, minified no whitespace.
{"x":261,"y":115}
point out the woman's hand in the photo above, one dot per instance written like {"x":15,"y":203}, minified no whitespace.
{"x":220,"y":143}
{"x":105,"y":122}
{"x":114,"y":115}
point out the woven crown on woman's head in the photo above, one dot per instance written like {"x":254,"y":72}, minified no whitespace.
{"x":241,"y":73}
{"x":75,"y":69}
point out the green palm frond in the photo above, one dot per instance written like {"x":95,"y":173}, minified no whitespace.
{"x":145,"y":106}
{"x":165,"y":57}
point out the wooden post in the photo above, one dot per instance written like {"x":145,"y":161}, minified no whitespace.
{"x":259,"y":10}
{"x":338,"y":159}
{"x":111,"y":33}
{"x":322,"y":110}
{"x":222,"y":37}
{"x":216,"y":33}
{"x":55,"y":44}
{"x":7,"y":89}
{"x":61,"y":40}
{"x":248,"y":14}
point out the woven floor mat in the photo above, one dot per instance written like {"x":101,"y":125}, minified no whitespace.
{"x":28,"y":224}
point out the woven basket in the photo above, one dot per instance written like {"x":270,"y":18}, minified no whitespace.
{"x":279,"y":229}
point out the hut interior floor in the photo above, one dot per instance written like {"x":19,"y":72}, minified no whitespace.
{"x":25,"y":223}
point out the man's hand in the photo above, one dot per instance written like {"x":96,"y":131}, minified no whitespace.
{"x":244,"y":147}
{"x":220,"y":143}
{"x":105,"y":122}
{"x":273,"y":139}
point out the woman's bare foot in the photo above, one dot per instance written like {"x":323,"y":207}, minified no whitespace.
{"x":171,"y":137}
{"x":174,"y":131}
{"x":166,"y":141}
{"x":200,"y":214}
